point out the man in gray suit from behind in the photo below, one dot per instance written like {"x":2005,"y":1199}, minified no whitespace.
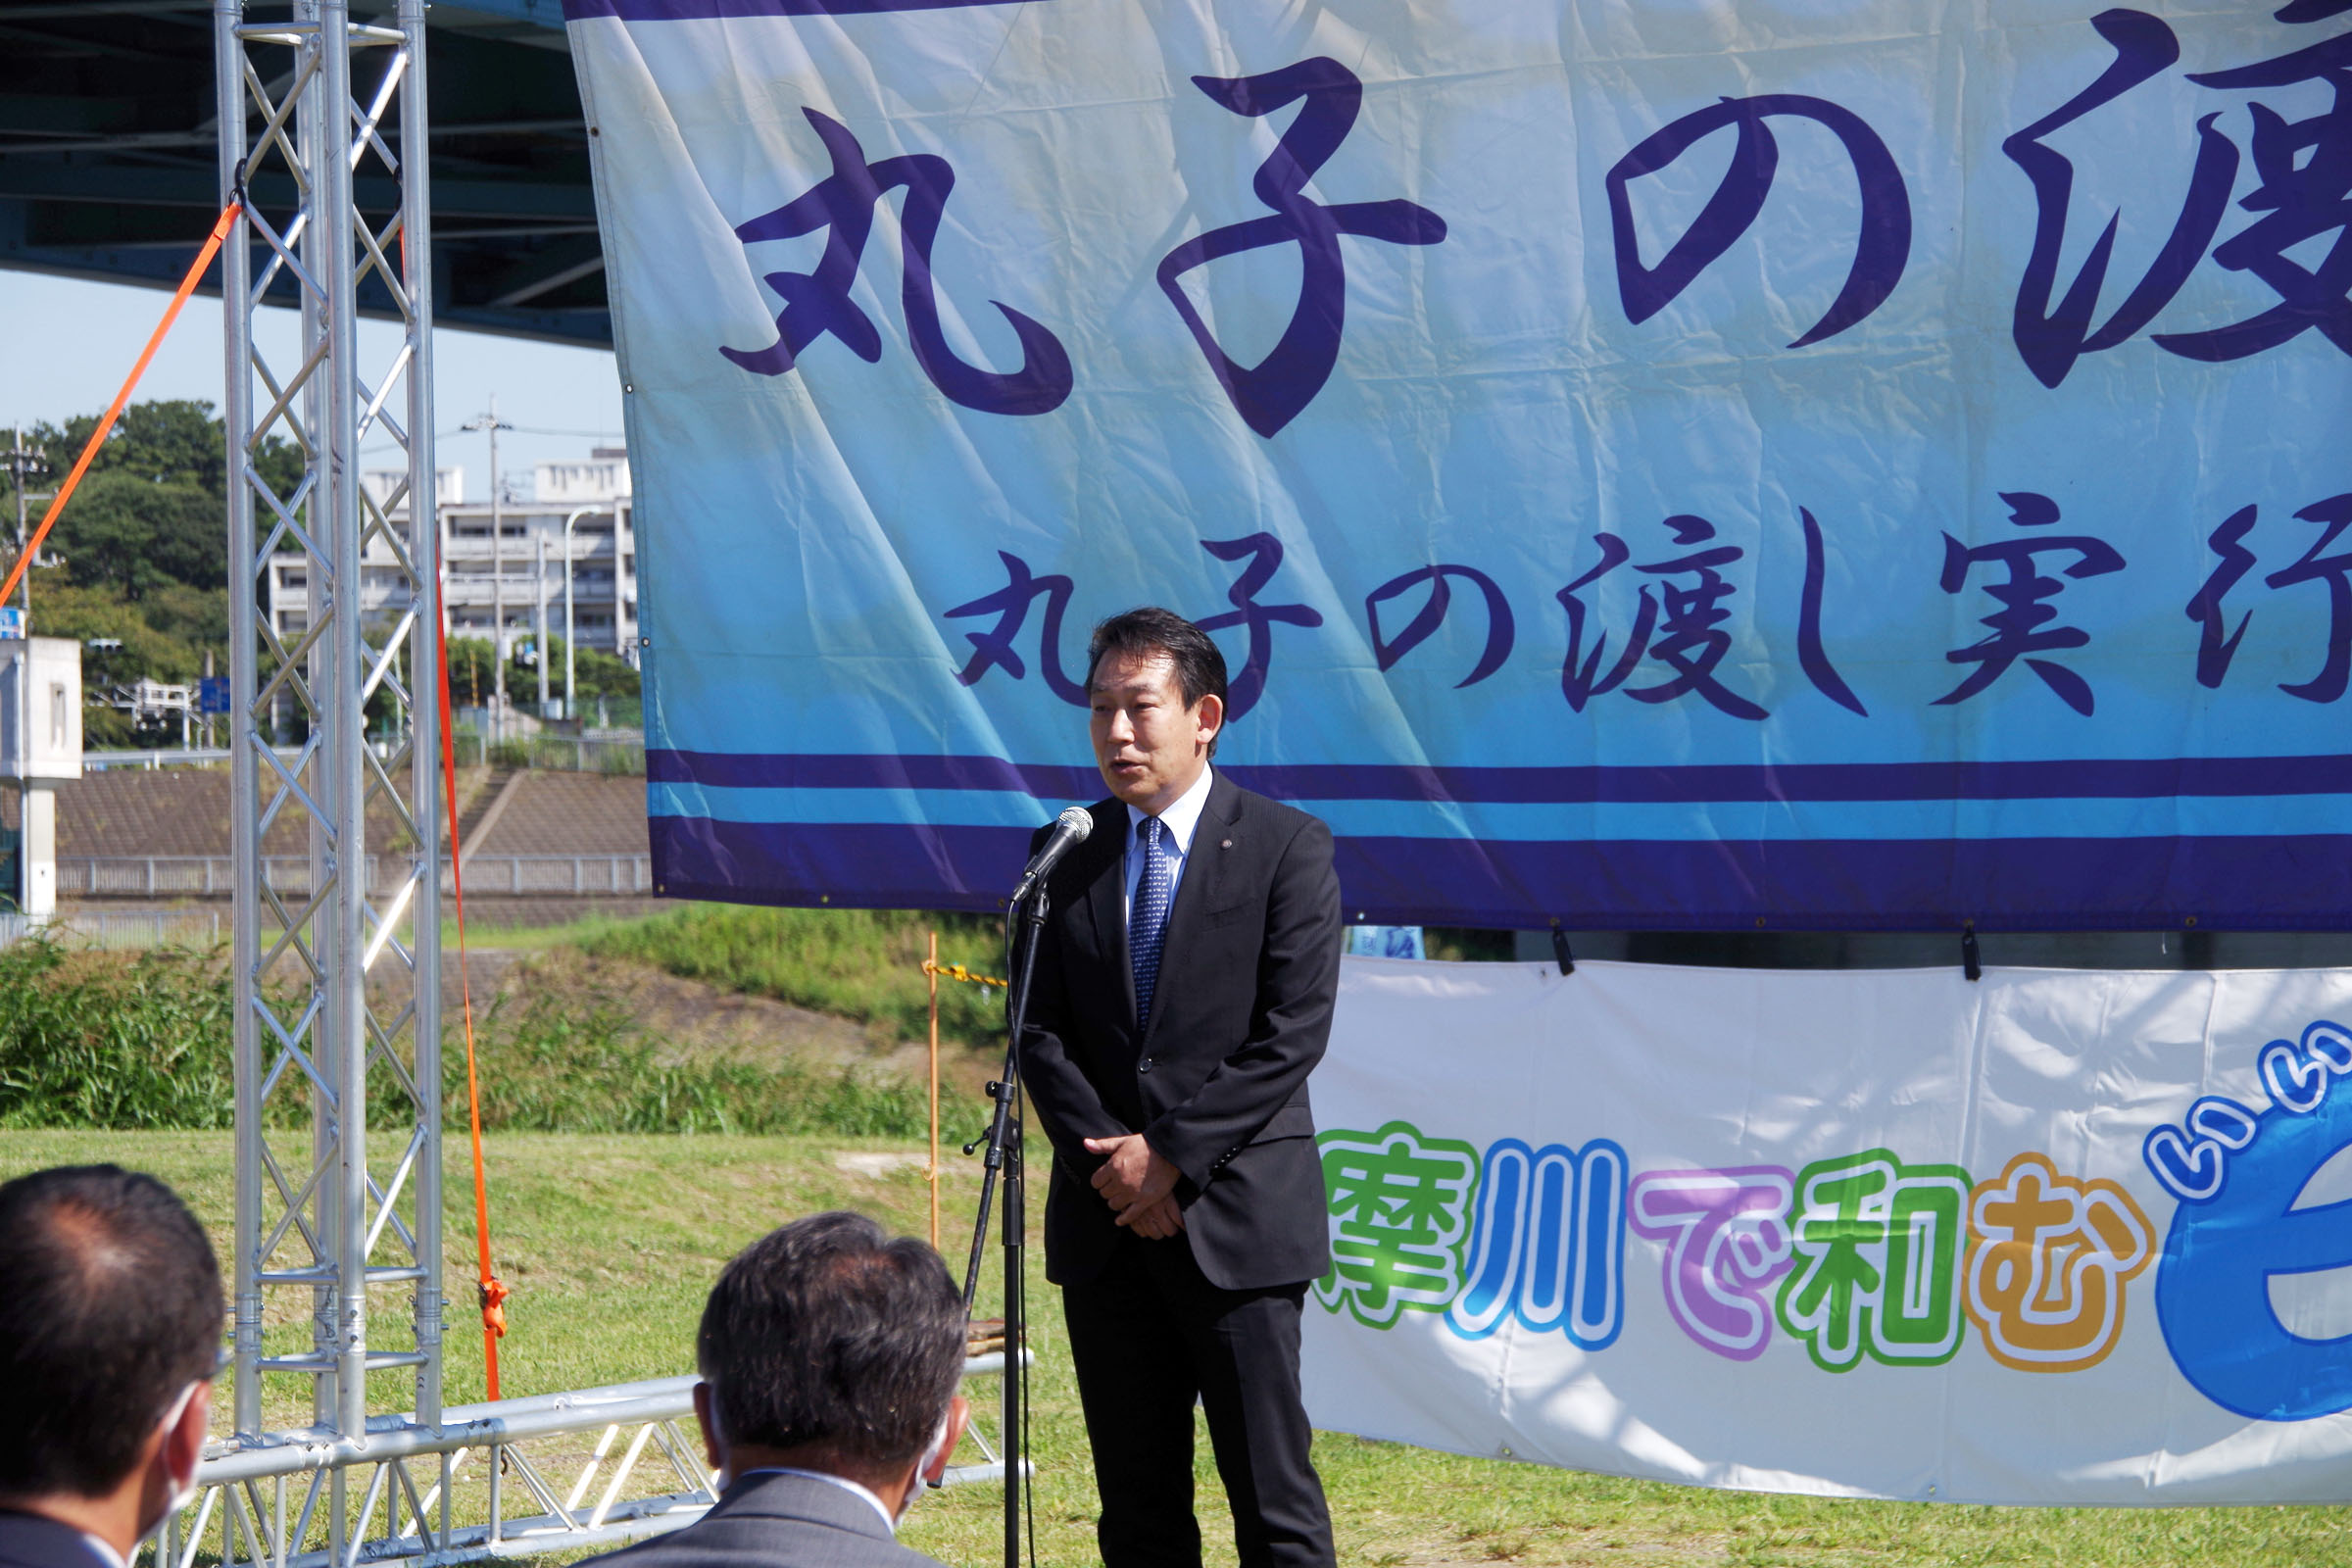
{"x":830,"y":1356}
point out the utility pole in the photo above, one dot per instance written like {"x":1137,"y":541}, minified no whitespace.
{"x":491,"y":423}
{"x":24,"y":463}
{"x":539,"y":631}
{"x":571,"y":692}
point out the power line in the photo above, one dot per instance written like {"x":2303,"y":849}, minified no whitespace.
{"x":464,"y":429}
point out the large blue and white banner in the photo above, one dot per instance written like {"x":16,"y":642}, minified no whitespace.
{"x":1649,"y":463}
{"x":2050,"y":1237}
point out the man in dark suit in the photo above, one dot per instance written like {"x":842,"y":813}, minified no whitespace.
{"x":1183,"y":992}
{"x":110,"y":1332}
{"x":830,"y":1356}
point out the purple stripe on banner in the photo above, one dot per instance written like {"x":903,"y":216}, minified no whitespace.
{"x":2089,"y":779}
{"x":2224,"y":884}
{"x":860,"y":865}
{"x":704,"y":10}
{"x":729,"y":771}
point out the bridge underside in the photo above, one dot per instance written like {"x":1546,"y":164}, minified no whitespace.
{"x":108,"y":170}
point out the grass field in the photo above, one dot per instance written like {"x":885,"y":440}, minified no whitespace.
{"x":611,"y":1241}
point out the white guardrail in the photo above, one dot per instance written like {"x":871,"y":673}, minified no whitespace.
{"x":124,"y":930}
{"x":620,"y":752}
{"x":447,"y":1494}
{"x":146,"y":876}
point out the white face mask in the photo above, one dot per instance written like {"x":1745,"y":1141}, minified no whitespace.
{"x":938,"y":1449}
{"x":183,"y":1488}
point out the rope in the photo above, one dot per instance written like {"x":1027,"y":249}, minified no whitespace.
{"x":89,"y":450}
{"x":492,"y":1290}
{"x":956,"y":972}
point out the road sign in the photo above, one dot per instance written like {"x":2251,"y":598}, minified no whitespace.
{"x":212,"y":694}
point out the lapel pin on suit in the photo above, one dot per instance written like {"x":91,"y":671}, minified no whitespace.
{"x":1227,"y":845}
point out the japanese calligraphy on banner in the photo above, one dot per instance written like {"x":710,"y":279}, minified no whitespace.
{"x":2050,"y":1237}
{"x":1649,"y":463}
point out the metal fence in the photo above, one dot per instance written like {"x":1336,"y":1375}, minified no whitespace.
{"x":617,"y":753}
{"x":614,"y":756}
{"x":119,"y":931}
{"x":148,"y":877}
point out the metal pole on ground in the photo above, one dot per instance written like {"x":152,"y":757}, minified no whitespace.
{"x":491,"y":423}
{"x":572,"y":691}
{"x":308,"y":1022}
{"x":539,"y":605}
{"x":424,"y":728}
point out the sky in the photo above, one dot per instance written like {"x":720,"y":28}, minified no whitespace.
{"x":66,"y":345}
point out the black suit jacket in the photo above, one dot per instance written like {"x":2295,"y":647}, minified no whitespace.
{"x":1248,"y":970}
{"x":771,"y":1520}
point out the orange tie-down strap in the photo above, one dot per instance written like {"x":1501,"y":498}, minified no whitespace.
{"x":493,"y":1290}
{"x":89,"y":450}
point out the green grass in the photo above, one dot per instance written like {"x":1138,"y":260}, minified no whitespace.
{"x":612,"y":1242}
{"x":858,"y":963}
{"x":534,"y":938}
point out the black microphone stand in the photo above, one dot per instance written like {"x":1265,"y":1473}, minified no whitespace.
{"x":1004,"y":1144}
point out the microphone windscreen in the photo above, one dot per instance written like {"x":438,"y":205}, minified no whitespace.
{"x":1078,"y":821}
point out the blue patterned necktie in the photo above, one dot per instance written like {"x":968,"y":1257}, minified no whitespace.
{"x":1148,"y":921}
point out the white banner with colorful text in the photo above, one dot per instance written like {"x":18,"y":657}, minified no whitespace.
{"x":2053,"y":1237}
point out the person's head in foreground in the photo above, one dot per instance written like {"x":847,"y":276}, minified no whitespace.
{"x":1155,"y":688}
{"x":110,"y":1332}
{"x":827,"y":1347}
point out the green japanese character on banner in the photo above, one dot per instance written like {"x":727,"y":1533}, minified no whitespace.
{"x":1878,"y":1245}
{"x":1399,"y":1218}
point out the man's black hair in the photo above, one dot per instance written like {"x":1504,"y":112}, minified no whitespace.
{"x":1150,"y":630}
{"x":110,"y":1304}
{"x":827,"y":1335}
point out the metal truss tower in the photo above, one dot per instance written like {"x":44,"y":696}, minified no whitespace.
{"x":338,"y":956}
{"x":338,"y":971}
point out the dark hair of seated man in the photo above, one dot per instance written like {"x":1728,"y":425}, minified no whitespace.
{"x":829,"y":1343}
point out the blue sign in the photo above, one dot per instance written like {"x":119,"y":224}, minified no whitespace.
{"x":212,"y":694}
{"x":1648,"y":464}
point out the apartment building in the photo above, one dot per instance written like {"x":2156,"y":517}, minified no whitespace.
{"x":502,"y":559}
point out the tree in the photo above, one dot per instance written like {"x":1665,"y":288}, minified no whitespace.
{"x":473,"y":672}
{"x":136,"y":534}
{"x":603,"y":674}
{"x":85,"y":613}
{"x":174,"y":441}
{"x":170,"y":441}
{"x":599,"y":673}
{"x":144,"y":539}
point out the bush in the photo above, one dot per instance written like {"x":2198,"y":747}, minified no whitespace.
{"x":557,"y":1064}
{"x":105,"y":1044}
{"x":864,"y":965}
{"x":87,"y":1040}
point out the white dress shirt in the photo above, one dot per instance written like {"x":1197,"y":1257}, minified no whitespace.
{"x":1177,"y":825}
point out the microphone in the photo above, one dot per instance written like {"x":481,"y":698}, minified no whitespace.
{"x":1070,"y":829}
